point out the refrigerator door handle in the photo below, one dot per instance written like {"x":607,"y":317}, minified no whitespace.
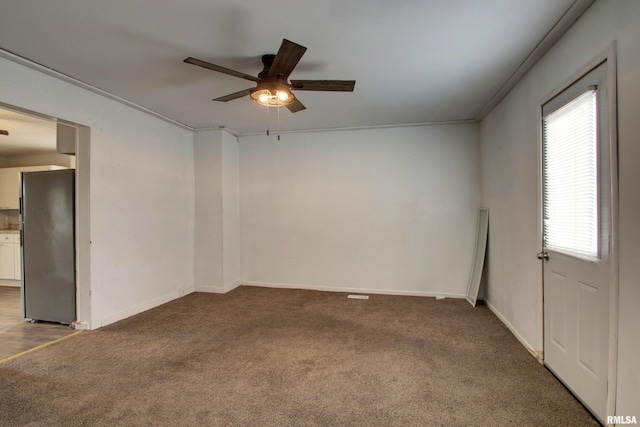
{"x":21,"y":219}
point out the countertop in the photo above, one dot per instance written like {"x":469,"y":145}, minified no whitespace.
{"x":9,"y":231}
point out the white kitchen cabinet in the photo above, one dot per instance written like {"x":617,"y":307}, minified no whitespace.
{"x":17,"y":257}
{"x":10,"y":184}
{"x":10,"y":256}
{"x":7,"y":261}
{"x":9,"y":188}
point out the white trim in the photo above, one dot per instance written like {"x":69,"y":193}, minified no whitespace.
{"x":538,"y":354}
{"x":223,"y":289}
{"x":29,"y":113}
{"x":87,"y":301}
{"x":220,"y":128}
{"x":600,"y":58}
{"x":61,"y":76}
{"x":399,"y":292}
{"x":231,"y":286}
{"x":210,"y":289}
{"x":186,"y":291}
{"x":139,"y":308}
{"x":400,"y":125}
{"x":222,"y":224}
{"x":557,"y":31}
{"x":540,"y":135}
{"x":614,"y":293}
{"x":81,"y":326}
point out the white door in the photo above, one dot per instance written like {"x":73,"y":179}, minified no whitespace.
{"x":576,"y":229}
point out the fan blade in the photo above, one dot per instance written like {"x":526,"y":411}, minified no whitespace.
{"x":324,"y":85}
{"x":4,"y":132}
{"x":210,"y":66}
{"x":287,"y":58}
{"x":296,"y":106}
{"x":234,"y":95}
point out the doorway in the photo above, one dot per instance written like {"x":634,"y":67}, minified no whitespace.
{"x":23,"y":334}
{"x":579,"y":205}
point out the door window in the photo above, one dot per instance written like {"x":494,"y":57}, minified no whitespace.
{"x":570,"y":176}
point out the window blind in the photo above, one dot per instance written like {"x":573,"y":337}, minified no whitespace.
{"x":570,"y":177}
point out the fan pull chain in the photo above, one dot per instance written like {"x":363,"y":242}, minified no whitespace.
{"x":267,"y":121}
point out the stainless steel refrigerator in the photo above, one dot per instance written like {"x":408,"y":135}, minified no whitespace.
{"x":47,"y":236}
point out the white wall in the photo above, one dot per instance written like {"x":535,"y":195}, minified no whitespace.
{"x":389,"y":210}
{"x":141,"y":185}
{"x":207,"y":262}
{"x":217,"y":249}
{"x":510,"y":184}
{"x":231,"y":259}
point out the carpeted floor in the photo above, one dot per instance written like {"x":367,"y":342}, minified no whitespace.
{"x":273,"y":357}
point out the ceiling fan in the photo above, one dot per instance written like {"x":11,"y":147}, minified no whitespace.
{"x":273,"y":88}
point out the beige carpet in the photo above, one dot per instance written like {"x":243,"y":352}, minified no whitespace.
{"x":271,"y":357}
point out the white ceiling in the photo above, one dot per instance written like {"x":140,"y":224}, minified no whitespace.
{"x":413,"y":61}
{"x":26,"y":134}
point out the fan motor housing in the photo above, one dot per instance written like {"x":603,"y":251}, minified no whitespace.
{"x":267,"y":61}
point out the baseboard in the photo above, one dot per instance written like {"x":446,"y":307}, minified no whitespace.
{"x":10,"y":283}
{"x":210,"y":289}
{"x":187,"y":291}
{"x":139,"y":308}
{"x":538,"y":354}
{"x":218,"y":289}
{"x":400,"y":292}
{"x":231,"y":286}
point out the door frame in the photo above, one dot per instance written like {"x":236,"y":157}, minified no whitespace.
{"x":607,"y":56}
{"x":82,"y":208}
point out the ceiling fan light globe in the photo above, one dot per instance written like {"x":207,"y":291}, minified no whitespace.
{"x":272,"y":96}
{"x":263,"y":98}
{"x":282,"y":95}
